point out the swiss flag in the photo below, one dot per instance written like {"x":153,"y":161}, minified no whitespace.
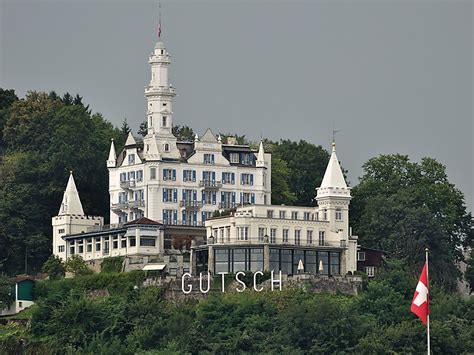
{"x":421,"y":299}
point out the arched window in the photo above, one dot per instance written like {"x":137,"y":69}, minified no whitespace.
{"x":167,"y":147}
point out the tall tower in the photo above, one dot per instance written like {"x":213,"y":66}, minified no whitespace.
{"x":333,"y":196}
{"x":159,"y":94}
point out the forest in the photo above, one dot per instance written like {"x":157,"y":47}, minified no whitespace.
{"x":399,"y":206}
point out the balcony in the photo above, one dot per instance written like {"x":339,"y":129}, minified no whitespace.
{"x":227,"y":205}
{"x":136,"y":204}
{"x":190,"y":204}
{"x":119,"y":206}
{"x":210,"y":185}
{"x":128,"y":184}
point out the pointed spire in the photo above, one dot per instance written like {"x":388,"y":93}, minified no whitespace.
{"x":151,"y":149}
{"x":112,"y":161}
{"x":71,"y":203}
{"x":130,"y":140}
{"x":333,"y":177}
{"x":260,"y":155}
{"x":196,"y":138}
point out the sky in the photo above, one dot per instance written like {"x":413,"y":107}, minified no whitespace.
{"x":391,"y":76}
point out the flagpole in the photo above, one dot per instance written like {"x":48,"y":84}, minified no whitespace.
{"x":428,"y":316}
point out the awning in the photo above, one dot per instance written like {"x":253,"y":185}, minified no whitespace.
{"x":154,"y":267}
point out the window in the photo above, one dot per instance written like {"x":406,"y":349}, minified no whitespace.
{"x":309,"y":237}
{"x":261,"y":234}
{"x":80,"y":246}
{"x":123,"y":176}
{"x":227,"y":232}
{"x":61,"y":230}
{"x":97,"y":244}
{"x":123,"y":242}
{"x":246,"y":160}
{"x":321,"y":238}
{"x":234,"y":158}
{"x":269,"y":213}
{"x":273,"y":233}
{"x":208,"y":158}
{"x":297,"y":237}
{"x":370,"y":271}
{"x":167,"y":147}
{"x":61,"y":248}
{"x":325,"y":215}
{"x":246,"y":198}
{"x":89,"y":246}
{"x":228,"y":178}
{"x":338,"y":214}
{"x":282,"y":214}
{"x":167,"y":195}
{"x":189,"y":175}
{"x":243,"y":233}
{"x":361,"y":256}
{"x":285,"y":235}
{"x":246,"y":179}
{"x":306,"y":216}
{"x":147,"y":242}
{"x":169,"y":174}
{"x":152,"y":173}
{"x":131,"y":158}
{"x":140,"y":175}
{"x":132,"y":242}
{"x":294,"y":215}
{"x":115,"y":242}
{"x":164,"y":121}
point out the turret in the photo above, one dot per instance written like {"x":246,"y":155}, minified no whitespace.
{"x":112,"y":161}
{"x":333,"y":196}
{"x":260,"y":163}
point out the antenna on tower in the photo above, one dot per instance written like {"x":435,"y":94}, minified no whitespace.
{"x":334,"y":131}
{"x":159,"y":21}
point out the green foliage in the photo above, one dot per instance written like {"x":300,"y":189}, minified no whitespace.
{"x":469,"y":273}
{"x":301,"y":165}
{"x":183,"y":133}
{"x":125,"y":129}
{"x":240,"y":139}
{"x":7,"y":292}
{"x":43,"y":137}
{"x":112,"y":264}
{"x":76,"y":265}
{"x":403,"y":207}
{"x":54,"y":267}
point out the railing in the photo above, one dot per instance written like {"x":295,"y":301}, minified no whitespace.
{"x":190,"y":204}
{"x":137,"y":203}
{"x":208,"y":184}
{"x":104,"y":227}
{"x":119,"y":206}
{"x":183,"y":223}
{"x":226,"y":205}
{"x":127,"y":184}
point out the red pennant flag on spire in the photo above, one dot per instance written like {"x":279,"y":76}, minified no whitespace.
{"x":421,"y":299}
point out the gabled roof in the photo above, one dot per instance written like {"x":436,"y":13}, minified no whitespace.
{"x":130,"y":140}
{"x":71,"y":203}
{"x":143,"y":221}
{"x":208,"y":137}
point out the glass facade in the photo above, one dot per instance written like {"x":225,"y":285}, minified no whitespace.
{"x":238,"y":259}
{"x":315,"y":262}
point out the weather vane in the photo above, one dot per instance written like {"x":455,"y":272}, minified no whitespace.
{"x":334,"y":131}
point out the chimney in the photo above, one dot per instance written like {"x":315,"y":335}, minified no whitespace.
{"x":231,"y":140}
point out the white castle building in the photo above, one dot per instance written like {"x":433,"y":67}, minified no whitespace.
{"x":176,"y":182}
{"x":279,"y":237}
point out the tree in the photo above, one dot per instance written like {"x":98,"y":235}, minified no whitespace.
{"x":43,"y":140}
{"x":76,"y":265}
{"x":7,"y":292}
{"x":240,"y":139}
{"x":183,"y":133}
{"x":281,"y":193}
{"x":306,"y":164}
{"x":403,"y":207}
{"x":54,"y":267}
{"x":125,"y":129}
{"x":469,"y":273}
{"x":143,"y":130}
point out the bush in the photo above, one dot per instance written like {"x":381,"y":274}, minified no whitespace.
{"x":112,"y":264}
{"x":54,"y":267}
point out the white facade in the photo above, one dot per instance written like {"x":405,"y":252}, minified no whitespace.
{"x":181,"y":183}
{"x":323,"y":229}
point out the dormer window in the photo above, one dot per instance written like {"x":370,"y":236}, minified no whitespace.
{"x":131,"y":158}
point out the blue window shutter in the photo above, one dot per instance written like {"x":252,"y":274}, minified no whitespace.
{"x":212,"y":158}
{"x":165,"y":195}
{"x":175,"y":195}
{"x":233,"y":178}
{"x":233,"y":197}
{"x":195,"y":217}
{"x":184,"y":216}
{"x":184,"y":194}
{"x":241,"y":179}
{"x":203,"y":217}
{"x":241,"y":157}
{"x":253,"y":198}
{"x":223,"y":177}
{"x":222,"y":197}
{"x":214,"y":197}
{"x":174,"y":175}
{"x":194,"y":175}
{"x":213,"y":176}
{"x":175,"y":216}
{"x":164,"y":216}
{"x":194,"y":195}
{"x":204,"y":175}
{"x":203,"y":197}
{"x":251,"y":179}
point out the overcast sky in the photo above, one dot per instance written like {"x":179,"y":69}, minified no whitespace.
{"x":392,"y":76}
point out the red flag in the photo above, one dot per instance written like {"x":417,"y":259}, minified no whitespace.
{"x":421,"y":299}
